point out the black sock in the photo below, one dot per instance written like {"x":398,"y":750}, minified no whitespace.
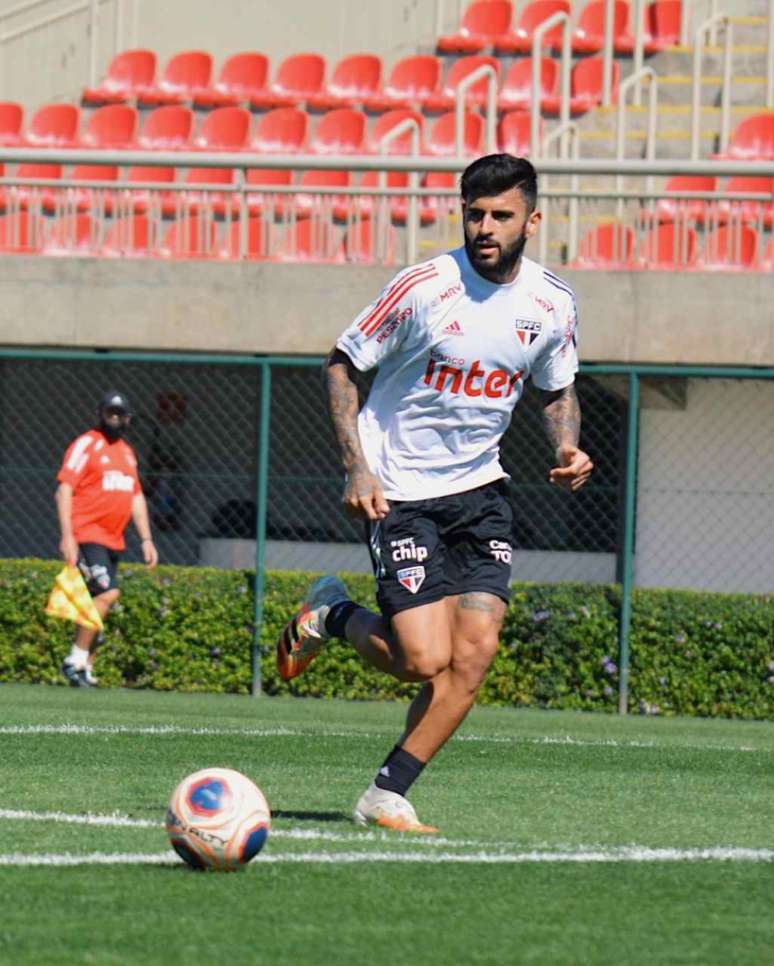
{"x":338,"y":615}
{"x":399,"y":771}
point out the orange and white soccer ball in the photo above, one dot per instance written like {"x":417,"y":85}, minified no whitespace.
{"x":217,"y":818}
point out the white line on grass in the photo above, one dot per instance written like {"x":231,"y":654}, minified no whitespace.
{"x":281,"y":732}
{"x":628,"y":854}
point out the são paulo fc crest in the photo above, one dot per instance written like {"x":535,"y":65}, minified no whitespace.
{"x":411,"y":578}
{"x":527,"y":330}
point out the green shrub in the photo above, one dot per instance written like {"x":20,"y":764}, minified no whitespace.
{"x":190,"y":629}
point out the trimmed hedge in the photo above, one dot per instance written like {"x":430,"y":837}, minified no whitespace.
{"x":190,"y":629}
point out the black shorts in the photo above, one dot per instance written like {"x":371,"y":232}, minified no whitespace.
{"x":99,"y":566}
{"x":425,"y":550}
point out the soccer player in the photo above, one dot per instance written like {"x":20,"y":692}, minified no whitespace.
{"x":454,"y":340}
{"x":99,"y":491}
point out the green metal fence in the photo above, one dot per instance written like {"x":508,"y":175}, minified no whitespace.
{"x":240,"y":470}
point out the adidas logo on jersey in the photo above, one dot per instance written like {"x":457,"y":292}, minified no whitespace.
{"x":454,"y":328}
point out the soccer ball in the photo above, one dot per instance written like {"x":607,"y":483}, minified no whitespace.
{"x":217,"y":819}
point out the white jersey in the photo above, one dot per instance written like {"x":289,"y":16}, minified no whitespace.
{"x":453,"y":352}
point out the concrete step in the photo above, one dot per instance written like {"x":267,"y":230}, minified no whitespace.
{"x":748,"y":59}
{"x":678,"y":89}
{"x":668,"y":117}
{"x":669,"y":144}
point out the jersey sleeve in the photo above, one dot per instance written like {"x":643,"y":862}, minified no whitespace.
{"x":556,"y":366}
{"x":75,"y":459}
{"x":383,"y":325}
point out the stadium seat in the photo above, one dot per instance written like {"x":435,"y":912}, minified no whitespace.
{"x":256,"y":240}
{"x":55,"y":125}
{"x":241,"y":77}
{"x":731,"y":248}
{"x":89,"y":199}
{"x":519,"y":40}
{"x":669,"y":209}
{"x":672,"y":245}
{"x":516,"y":91}
{"x":281,"y":131}
{"x":355,"y":79}
{"x":514,"y":133}
{"x":11,"y":116}
{"x":589,"y":34}
{"x":224,"y":129}
{"x":219,"y":202}
{"x":761,"y":212}
{"x":664,"y":22}
{"x":412,"y":80}
{"x":609,"y":246}
{"x":27,"y":196}
{"x":298,"y":77}
{"x":266,"y":179}
{"x":361,"y":245}
{"x":167,"y":128}
{"x":339,"y":132}
{"x":308,"y":204}
{"x":132,"y":237}
{"x":71,"y":235}
{"x":441,"y":139}
{"x":185,"y":75}
{"x":368,"y":205}
{"x":475,"y":96}
{"x":312,"y":239}
{"x":483,"y":23}
{"x":21,"y":234}
{"x":190,"y":237}
{"x":585,"y":87}
{"x":767,"y":262}
{"x":111,"y":126}
{"x":143,"y":200}
{"x":385,"y":123}
{"x":129,"y":72}
{"x":753,"y":138}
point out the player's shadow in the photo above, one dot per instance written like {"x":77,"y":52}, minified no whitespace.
{"x":310,"y":816}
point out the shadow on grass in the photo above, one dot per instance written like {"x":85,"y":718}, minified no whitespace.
{"x":311,"y":816}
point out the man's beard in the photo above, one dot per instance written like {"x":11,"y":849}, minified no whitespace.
{"x":503,"y":267}
{"x":112,"y":432}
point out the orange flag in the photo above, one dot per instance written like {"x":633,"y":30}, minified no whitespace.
{"x":70,"y":600}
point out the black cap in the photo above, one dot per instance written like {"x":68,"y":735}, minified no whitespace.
{"x":113,"y":399}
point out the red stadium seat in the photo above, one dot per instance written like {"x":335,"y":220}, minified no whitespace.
{"x":185,"y":75}
{"x":55,"y":125}
{"x":475,"y":96}
{"x":750,"y":211}
{"x":664,"y":16}
{"x":241,"y":77}
{"x":308,"y":204}
{"x":586,"y":87}
{"x":669,"y":246}
{"x":668,"y":209}
{"x":516,"y":91}
{"x":129,"y":72}
{"x":608,"y":246}
{"x":386,"y":123}
{"x":412,"y":80}
{"x":88,"y":199}
{"x":355,"y":79}
{"x":589,"y":34}
{"x":219,"y":202}
{"x":312,"y":239}
{"x":281,"y":131}
{"x":731,"y":247}
{"x":441,"y":139}
{"x":11,"y":115}
{"x":143,"y":200}
{"x":256,"y":240}
{"x":514,"y":133}
{"x":368,"y":205}
{"x":132,"y":237}
{"x":767,"y":262}
{"x":339,"y":132}
{"x":224,"y":129}
{"x":167,"y":128}
{"x":71,"y":235}
{"x":360,"y":244}
{"x":298,"y":78}
{"x":483,"y":24}
{"x":190,"y":237}
{"x":266,"y":179}
{"x":519,"y":41}
{"x":27,"y":196}
{"x":111,"y":126}
{"x":21,"y":234}
{"x":753,"y":138}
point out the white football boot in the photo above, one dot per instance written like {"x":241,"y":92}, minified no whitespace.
{"x":389,"y":810}
{"x":304,"y":635}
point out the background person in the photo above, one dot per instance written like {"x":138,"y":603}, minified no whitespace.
{"x":454,"y":339}
{"x":99,"y":492}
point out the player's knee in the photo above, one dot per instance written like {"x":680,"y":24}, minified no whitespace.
{"x":424,"y":667}
{"x":110,"y":596}
{"x":471,"y":665}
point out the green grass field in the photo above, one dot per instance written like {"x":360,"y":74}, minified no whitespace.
{"x":565,"y":838}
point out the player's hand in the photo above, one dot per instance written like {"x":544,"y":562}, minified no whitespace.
{"x":149,"y":553}
{"x":68,"y":547}
{"x":573,"y":470}
{"x":364,"y":497}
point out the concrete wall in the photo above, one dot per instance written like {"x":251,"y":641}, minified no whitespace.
{"x":656,"y":317}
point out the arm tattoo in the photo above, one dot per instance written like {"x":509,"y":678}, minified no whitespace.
{"x":343,"y":408}
{"x":561,"y":416}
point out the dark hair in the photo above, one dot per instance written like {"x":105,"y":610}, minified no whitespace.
{"x":495,"y":173}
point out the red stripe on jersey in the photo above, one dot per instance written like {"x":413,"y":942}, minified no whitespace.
{"x":399,"y":288}
{"x":373,"y":322}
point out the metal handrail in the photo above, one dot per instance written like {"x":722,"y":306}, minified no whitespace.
{"x":725,"y":95}
{"x":488,"y":71}
{"x":620,"y":121}
{"x":770,"y":57}
{"x":560,"y":17}
{"x":560,"y":135}
{"x":408,"y":124}
{"x":607,"y":55}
